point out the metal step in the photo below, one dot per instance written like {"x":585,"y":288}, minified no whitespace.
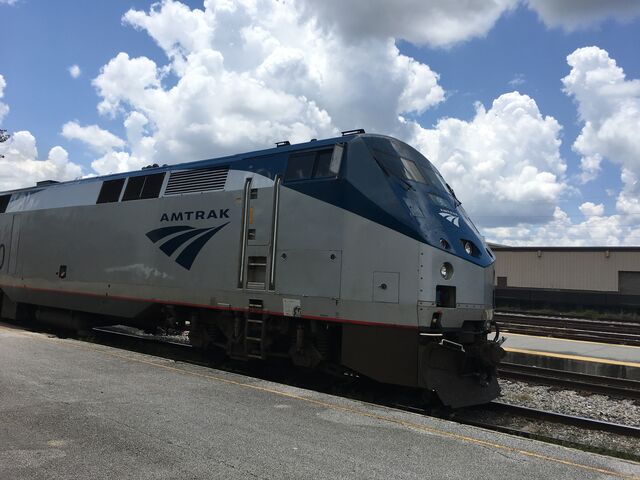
{"x":255,"y":330}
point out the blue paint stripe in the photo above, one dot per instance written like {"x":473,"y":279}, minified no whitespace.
{"x":170,"y":246}
{"x":160,"y":233}
{"x":191,"y":251}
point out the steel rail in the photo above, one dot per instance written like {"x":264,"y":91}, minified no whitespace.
{"x":565,"y":419}
{"x":606,"y":331}
{"x":470,"y":417}
{"x":620,"y":387}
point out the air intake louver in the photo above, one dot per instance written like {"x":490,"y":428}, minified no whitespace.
{"x":197,"y":180}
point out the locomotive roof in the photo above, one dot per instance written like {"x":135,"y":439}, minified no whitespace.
{"x":226,"y":160}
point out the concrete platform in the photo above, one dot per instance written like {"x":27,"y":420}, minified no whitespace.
{"x":74,"y":410}
{"x":621,"y":361}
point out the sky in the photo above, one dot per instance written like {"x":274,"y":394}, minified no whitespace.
{"x":529,"y":108}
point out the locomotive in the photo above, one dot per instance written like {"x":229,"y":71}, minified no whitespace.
{"x":349,"y":253}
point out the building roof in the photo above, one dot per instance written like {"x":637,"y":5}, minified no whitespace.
{"x":506,"y":248}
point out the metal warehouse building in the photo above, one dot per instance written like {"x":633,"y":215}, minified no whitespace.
{"x":575,"y":276}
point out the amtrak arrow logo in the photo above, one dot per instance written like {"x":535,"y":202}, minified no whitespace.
{"x":451,"y":217}
{"x":194,"y":238}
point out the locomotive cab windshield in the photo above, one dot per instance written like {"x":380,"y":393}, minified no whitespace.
{"x":407,"y":164}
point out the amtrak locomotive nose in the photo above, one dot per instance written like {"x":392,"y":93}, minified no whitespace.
{"x":350,"y":254}
{"x":455,"y":266}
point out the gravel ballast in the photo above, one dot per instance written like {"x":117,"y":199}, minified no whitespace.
{"x":571,"y":402}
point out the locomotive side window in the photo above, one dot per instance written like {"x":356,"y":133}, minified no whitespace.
{"x":152,"y":185}
{"x":145,"y":186}
{"x":317,"y":164}
{"x":328,"y":162}
{"x":134,"y":188}
{"x":300,"y":166}
{"x":110,"y":191}
{"x":4,"y":202}
{"x":336,"y":159}
{"x":323,"y":164}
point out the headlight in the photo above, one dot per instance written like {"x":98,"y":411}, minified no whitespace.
{"x":468,"y":248}
{"x":446,"y":270}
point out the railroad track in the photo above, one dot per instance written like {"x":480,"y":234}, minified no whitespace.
{"x":571,"y":420}
{"x":499,"y":421}
{"x":368,"y":392}
{"x":606,"y":331}
{"x":620,"y":387}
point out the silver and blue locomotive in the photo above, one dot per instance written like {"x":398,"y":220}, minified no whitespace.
{"x":349,"y":253}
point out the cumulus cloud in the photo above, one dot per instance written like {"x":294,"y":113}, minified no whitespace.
{"x":127,"y":81}
{"x":561,"y":230}
{"x":573,"y":14}
{"x":96,"y":138}
{"x":438,"y":23}
{"x":74,"y":71}
{"x":116,"y":162}
{"x":442,"y":23}
{"x":609,"y":107}
{"x":110,"y":147}
{"x":4,"y":108}
{"x":505,"y":161}
{"x":21,"y":168}
{"x":8,"y":2}
{"x":590,"y":209}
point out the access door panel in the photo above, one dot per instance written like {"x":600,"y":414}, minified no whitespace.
{"x":313,"y":273}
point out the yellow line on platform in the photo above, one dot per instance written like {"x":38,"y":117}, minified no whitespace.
{"x":573,"y":357}
{"x":509,"y":334}
{"x":332,"y":406}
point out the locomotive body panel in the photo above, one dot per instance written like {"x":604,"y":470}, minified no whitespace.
{"x":109,"y":255}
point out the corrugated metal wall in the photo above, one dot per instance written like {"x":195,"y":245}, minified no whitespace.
{"x":565,"y":269}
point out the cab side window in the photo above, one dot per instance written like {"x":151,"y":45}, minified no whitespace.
{"x":323,"y":165}
{"x":300,"y":166}
{"x":315,"y":164}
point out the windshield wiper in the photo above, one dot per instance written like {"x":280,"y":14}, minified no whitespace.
{"x":386,"y":172}
{"x":453,"y":194}
{"x":406,"y":183}
{"x":382,"y":167}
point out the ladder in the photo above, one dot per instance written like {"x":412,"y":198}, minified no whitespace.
{"x":255,"y":328}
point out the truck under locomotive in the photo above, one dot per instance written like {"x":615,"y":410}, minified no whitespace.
{"x":350,"y":252}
